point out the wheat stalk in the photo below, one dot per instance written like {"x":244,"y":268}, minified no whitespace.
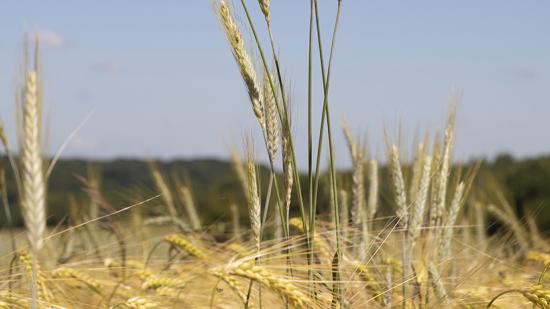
{"x":344,"y":211}
{"x":278,"y":226}
{"x":479,"y":222}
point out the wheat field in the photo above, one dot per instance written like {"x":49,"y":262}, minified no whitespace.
{"x":431,"y":249}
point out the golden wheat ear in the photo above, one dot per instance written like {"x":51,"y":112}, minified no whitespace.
{"x":254,"y":202}
{"x":33,"y":184}
{"x":272,"y":124}
{"x":264,"y":5}
{"x":242,"y":57}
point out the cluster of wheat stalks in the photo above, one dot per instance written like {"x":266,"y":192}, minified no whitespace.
{"x":431,"y":250}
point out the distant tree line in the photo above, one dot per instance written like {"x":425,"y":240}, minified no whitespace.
{"x":525,"y":183}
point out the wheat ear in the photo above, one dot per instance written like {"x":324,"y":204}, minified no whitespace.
{"x":254,"y":202}
{"x":437,"y":284}
{"x":534,"y":234}
{"x":399,"y":187}
{"x":139,"y":302}
{"x":319,"y":244}
{"x":190,"y":208}
{"x":157,"y":282}
{"x":513,"y":223}
{"x":13,"y":302}
{"x":162,"y":186}
{"x":539,"y":257}
{"x":235,"y":285}
{"x":239,"y":169}
{"x":183,"y":243}
{"x":70,"y":273}
{"x":417,"y":168}
{"x":281,"y":286}
{"x":235,"y":221}
{"x":358,"y":184}
{"x":239,"y":249}
{"x":444,"y":171}
{"x":419,"y":207}
{"x":34,"y":188}
{"x":242,"y":57}
{"x":372,"y":204}
{"x":273,"y":128}
{"x":358,"y":193}
{"x":436,"y":162}
{"x":537,"y":295}
{"x":450,"y":219}
{"x":371,"y":283}
{"x":34,"y":271}
{"x":288,"y":172}
{"x":264,"y":5}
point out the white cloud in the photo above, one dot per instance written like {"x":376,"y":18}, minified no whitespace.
{"x":49,"y":38}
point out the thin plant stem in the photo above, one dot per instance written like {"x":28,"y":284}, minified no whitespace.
{"x":326,"y":81}
{"x":309,"y":111}
{"x":34,"y":283}
{"x":325,"y":112}
{"x":284,"y":117}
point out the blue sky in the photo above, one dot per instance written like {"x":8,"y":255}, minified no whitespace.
{"x":160,"y":79}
